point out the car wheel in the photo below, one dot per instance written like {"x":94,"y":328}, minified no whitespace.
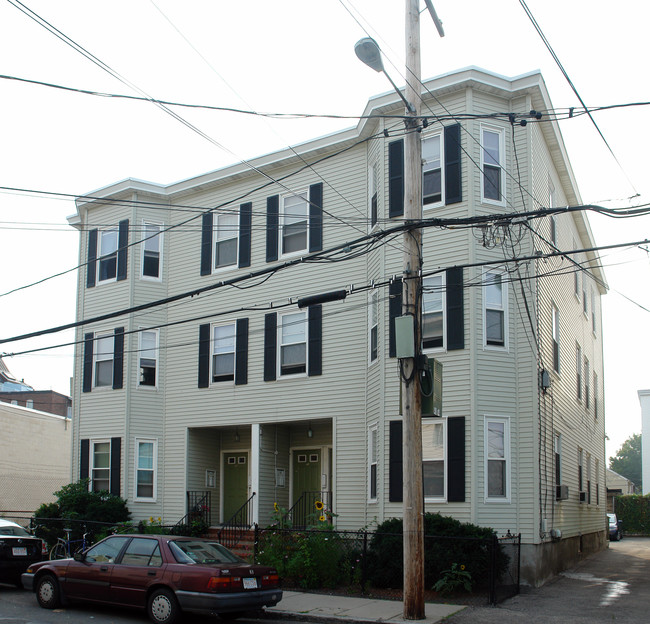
{"x":47,"y":592}
{"x":162,"y":607}
{"x":232,"y":615}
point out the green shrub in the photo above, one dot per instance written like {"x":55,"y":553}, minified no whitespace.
{"x":80,"y":507}
{"x":634,"y":512}
{"x":447,"y":542}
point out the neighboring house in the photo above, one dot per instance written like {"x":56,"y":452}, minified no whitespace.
{"x":617,"y":485}
{"x":239,"y":395}
{"x":644,"y":400}
{"x":42,"y":400}
{"x":8,"y":383}
{"x":34,"y":459}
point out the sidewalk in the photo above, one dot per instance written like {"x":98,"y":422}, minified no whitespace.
{"x":306,"y":607}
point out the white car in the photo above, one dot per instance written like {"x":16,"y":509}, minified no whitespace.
{"x":18,"y":550}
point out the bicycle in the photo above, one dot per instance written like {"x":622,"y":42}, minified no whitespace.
{"x":63,"y":547}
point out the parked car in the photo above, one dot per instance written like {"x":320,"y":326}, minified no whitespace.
{"x":18,"y":550}
{"x":164,"y":574}
{"x":615,"y":531}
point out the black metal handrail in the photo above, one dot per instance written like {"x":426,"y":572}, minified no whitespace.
{"x":233,"y":530}
{"x":198,"y":505}
{"x":305,"y":511}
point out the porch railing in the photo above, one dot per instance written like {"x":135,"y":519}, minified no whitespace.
{"x":233,"y":530}
{"x":198,"y":507}
{"x":304,"y":512}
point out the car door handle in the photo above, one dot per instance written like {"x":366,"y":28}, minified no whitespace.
{"x":104,"y":568}
{"x":151,"y":573}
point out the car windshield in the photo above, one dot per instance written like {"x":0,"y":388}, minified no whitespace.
{"x":196,"y":551}
{"x":17,"y":531}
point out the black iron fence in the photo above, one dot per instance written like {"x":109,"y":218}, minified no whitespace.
{"x":464,"y":570}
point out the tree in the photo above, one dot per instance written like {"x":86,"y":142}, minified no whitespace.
{"x":627,"y":461}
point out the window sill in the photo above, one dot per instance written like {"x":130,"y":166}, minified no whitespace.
{"x":145,"y":500}
{"x":499,"y":501}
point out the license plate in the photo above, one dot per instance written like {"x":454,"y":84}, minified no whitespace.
{"x":20,"y":551}
{"x":250,"y":583}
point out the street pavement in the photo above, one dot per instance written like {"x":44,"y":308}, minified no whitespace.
{"x":611,"y":586}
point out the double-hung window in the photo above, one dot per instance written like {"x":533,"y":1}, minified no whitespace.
{"x":593,"y":311}
{"x":148,"y":357}
{"x":557,"y":450}
{"x":107,"y":256}
{"x":104,"y":355}
{"x":580,"y":471}
{"x":223,"y":352}
{"x":373,"y":325}
{"x":595,"y":395}
{"x":552,"y":218}
{"x":292,"y":341}
{"x":294,"y":224}
{"x":579,"y":372}
{"x":433,"y":459}
{"x":145,"y":469}
{"x":495,"y":303}
{"x":151,"y":250}
{"x":226,"y":238}
{"x":373,"y":192}
{"x":585,"y":301}
{"x":100,"y":469}
{"x":587,"y":381}
{"x":433,"y":317}
{"x":432,"y":187}
{"x":372,"y":464}
{"x":555,"y":321}
{"x":492,"y":164}
{"x":588,"y":478}
{"x":497,"y":459}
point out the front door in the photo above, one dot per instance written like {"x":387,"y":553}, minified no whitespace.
{"x":306,"y":472}
{"x":235,"y":483}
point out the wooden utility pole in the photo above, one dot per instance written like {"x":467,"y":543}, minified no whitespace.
{"x":411,"y":398}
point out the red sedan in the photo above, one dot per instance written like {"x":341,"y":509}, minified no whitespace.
{"x":164,"y":574}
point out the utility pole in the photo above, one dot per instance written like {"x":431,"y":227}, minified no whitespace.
{"x":411,"y":306}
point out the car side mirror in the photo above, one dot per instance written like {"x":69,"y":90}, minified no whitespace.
{"x":79,"y":556}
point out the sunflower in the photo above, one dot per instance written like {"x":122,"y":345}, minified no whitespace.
{"x":322,"y":518}
{"x":275,"y":507}
{"x":319,"y":505}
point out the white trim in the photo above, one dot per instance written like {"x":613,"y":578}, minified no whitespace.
{"x":214,"y":326}
{"x":505,"y":421}
{"x":97,"y":336}
{"x":440,"y":203}
{"x":279,"y":343}
{"x":91,"y":460}
{"x":221,"y":475}
{"x":437,"y":422}
{"x":254,"y":467}
{"x":443,"y":302}
{"x":501,"y":164}
{"x":373,"y":188}
{"x":217,"y":216}
{"x":136,"y":457}
{"x":159,"y":237}
{"x":100,"y":234}
{"x":304,"y":195}
{"x":373,"y":307}
{"x":373,"y":431}
{"x":503,"y":308}
{"x":156,"y":357}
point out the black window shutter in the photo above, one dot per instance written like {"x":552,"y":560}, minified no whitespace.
{"x":272,"y":227}
{"x":118,"y":358}
{"x":245,"y":222}
{"x":394,"y":310}
{"x":88,"y":363}
{"x":395,"y":462}
{"x":453,"y":180}
{"x":396,"y":178}
{"x":241,"y":352}
{"x":204,"y":355}
{"x":316,"y":217}
{"x":122,"y":249}
{"x":455,"y":309}
{"x":315,"y":365}
{"x":206,"y":243}
{"x":270,"y":346}
{"x":116,"y":465}
{"x":456,"y":459}
{"x":91,"y":267}
{"x":84,"y":458}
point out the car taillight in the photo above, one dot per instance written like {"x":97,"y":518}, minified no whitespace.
{"x":43,"y":548}
{"x":270,"y":580}
{"x":219,"y":583}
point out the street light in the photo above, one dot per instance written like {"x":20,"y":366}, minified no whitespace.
{"x":368,"y":52}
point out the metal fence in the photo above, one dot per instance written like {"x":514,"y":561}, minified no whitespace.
{"x":371,"y":563}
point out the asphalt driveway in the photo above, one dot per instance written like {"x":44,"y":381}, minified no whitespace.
{"x":612,"y":586}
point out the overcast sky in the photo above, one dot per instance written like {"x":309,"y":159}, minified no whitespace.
{"x":291,"y":56}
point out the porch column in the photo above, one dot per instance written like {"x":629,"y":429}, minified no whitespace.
{"x":256,"y":443}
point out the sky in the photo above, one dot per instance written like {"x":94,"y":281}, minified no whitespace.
{"x":291,"y":56}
